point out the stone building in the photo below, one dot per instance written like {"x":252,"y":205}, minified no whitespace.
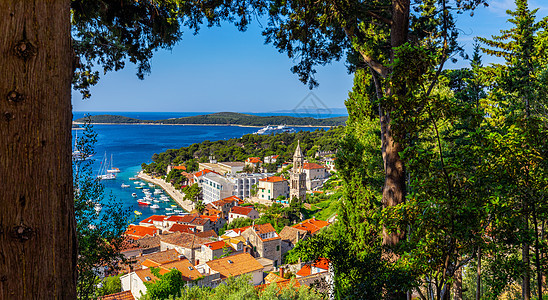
{"x":265,"y":242}
{"x":297,"y":176}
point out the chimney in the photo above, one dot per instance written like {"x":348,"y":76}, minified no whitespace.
{"x":282,"y":273}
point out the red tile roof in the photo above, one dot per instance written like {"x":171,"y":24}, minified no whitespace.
{"x":321,"y":263}
{"x":211,"y":218}
{"x":310,"y":166}
{"x":311,"y":225}
{"x":254,"y":160}
{"x":203,"y":172}
{"x":264,"y":228}
{"x":273,"y":179}
{"x":151,"y":219}
{"x":141,"y":231}
{"x":240,"y":210}
{"x":174,"y":218}
{"x":207,"y":234}
{"x":182,"y":228}
{"x":180,"y":168}
{"x":119,"y":296}
{"x":216,"y":245}
{"x":233,"y":198}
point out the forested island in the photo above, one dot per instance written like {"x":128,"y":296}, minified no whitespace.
{"x":221,"y":118}
{"x":239,"y":149}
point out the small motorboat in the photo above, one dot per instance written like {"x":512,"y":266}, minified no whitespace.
{"x":137,"y":212}
{"x":143,"y":203}
{"x":124,"y":185}
{"x":133,"y":178}
{"x":155,"y":206}
{"x":134,"y":195}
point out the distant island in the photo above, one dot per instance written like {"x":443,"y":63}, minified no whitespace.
{"x":221,"y":118}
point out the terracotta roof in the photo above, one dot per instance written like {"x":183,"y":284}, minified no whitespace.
{"x":180,"y":168}
{"x":185,"y":240}
{"x":216,"y":245}
{"x":207,"y":234}
{"x":182,"y":228}
{"x":151,"y":219}
{"x":174,"y":218}
{"x":320,"y":263}
{"x":202,"y":172}
{"x":150,"y":263}
{"x":240,"y":210}
{"x":275,"y":156}
{"x":224,"y":201}
{"x":311,"y":166}
{"x":184,"y":266}
{"x":148,"y":242}
{"x":254,"y":160}
{"x":272,"y":277}
{"x":264,"y":228}
{"x":235,"y":265}
{"x":211,"y":218}
{"x":304,"y":271}
{"x":311,"y":225}
{"x":119,"y":296}
{"x":141,"y":231}
{"x":290,"y":234}
{"x":272,"y":179}
{"x":158,"y":257}
{"x":281,"y":285}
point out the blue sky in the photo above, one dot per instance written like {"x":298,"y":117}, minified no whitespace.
{"x":222,"y":69}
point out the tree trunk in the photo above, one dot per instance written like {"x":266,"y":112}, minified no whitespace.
{"x":526,"y":285}
{"x":458,"y":284}
{"x":37,"y":226}
{"x":478,"y":278}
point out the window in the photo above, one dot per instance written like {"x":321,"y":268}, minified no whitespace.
{"x":278,"y":248}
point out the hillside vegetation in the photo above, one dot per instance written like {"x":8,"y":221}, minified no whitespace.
{"x":239,"y":149}
{"x":226,"y":118}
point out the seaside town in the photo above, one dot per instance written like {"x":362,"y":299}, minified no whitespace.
{"x":204,"y":247}
{"x":265,"y":150}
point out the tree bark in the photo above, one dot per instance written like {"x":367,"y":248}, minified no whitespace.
{"x":478,"y":278}
{"x":38,"y":247}
{"x":458,"y":284}
{"x":526,"y":285}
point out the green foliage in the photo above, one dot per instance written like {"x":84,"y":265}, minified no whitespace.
{"x":250,"y":145}
{"x":192,"y":192}
{"x":240,"y":288}
{"x":110,"y":285}
{"x":99,"y":233}
{"x":168,"y":285}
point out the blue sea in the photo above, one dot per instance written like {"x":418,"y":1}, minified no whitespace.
{"x":132,"y":145}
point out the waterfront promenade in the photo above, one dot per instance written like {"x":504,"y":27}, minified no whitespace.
{"x":175,"y":194}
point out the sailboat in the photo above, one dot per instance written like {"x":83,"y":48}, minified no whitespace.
{"x":103,"y":174}
{"x":77,"y":154}
{"x":112,"y":169}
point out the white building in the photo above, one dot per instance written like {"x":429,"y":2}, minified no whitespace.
{"x":272,"y":187}
{"x":215,"y":187}
{"x":243,"y":182}
{"x":315,"y":175}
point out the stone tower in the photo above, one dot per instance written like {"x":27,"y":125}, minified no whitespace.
{"x":297,"y":177}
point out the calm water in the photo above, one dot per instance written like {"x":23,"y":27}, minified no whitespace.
{"x":132,"y":145}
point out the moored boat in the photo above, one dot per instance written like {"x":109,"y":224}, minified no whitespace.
{"x":137,"y":212}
